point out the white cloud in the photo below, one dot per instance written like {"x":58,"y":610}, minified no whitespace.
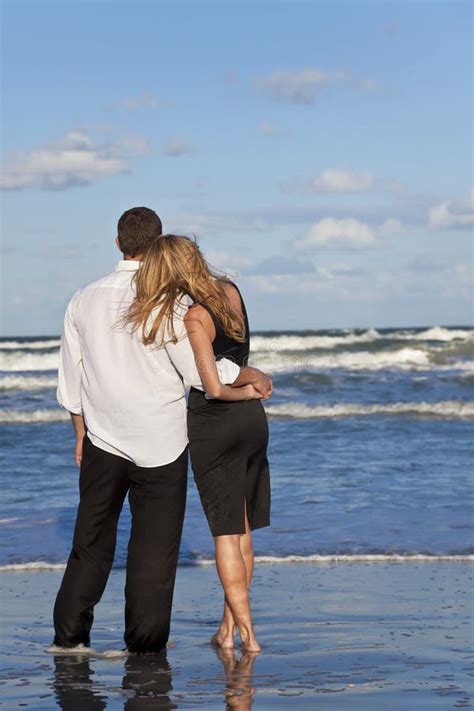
{"x":334,"y":180}
{"x":267,"y":128}
{"x":135,"y":145}
{"x":228,"y":262}
{"x":368,"y":85}
{"x":178,"y":146}
{"x":340,"y":180}
{"x":337,"y":280}
{"x":74,"y":159}
{"x":391,"y":226}
{"x":304,"y":86}
{"x":331,"y":232}
{"x":145,"y":100}
{"x":283,"y":283}
{"x":204,"y":223}
{"x":278,"y":264}
{"x":453,"y":214}
{"x":345,"y":283}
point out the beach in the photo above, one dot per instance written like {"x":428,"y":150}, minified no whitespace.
{"x":362,"y":590}
{"x":317,"y":156}
{"x":343,"y":636}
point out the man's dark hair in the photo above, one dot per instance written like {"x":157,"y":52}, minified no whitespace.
{"x":137,"y":229}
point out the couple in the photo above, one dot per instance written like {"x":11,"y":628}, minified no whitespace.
{"x":129,"y":341}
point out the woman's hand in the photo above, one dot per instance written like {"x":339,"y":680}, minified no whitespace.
{"x":251,"y":393}
{"x":262,"y":394}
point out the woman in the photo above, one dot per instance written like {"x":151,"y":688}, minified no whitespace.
{"x":228,"y":434}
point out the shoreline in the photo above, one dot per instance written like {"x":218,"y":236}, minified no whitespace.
{"x":363,"y":637}
{"x":315,"y":559}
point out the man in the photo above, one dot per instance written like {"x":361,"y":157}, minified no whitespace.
{"x":128,"y":409}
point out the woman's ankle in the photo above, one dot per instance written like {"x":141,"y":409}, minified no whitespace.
{"x":246,"y":632}
{"x":248,"y":638}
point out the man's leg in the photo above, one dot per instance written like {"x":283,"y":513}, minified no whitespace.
{"x":103,"y":485}
{"x":157,"y":502}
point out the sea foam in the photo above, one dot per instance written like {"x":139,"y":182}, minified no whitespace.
{"x":32,"y":416}
{"x":25,"y":382}
{"x":315,"y":558}
{"x":446,"y":409}
{"x":309,"y":342}
{"x":303,"y":342}
{"x":29,"y":345}
{"x":438,"y":333}
{"x":20,"y":361}
{"x":406,"y":358}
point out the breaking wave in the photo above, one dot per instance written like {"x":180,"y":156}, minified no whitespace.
{"x":428,"y":349}
{"x":39,"y":565}
{"x":22,"y":382}
{"x":447,"y":409}
{"x":407,"y":358}
{"x":21,"y":361}
{"x":438,"y":333}
{"x":32,"y":416}
{"x":309,"y":342}
{"x":306,"y":342}
{"x":29,"y":345}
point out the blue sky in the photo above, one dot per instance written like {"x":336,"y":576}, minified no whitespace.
{"x":320,"y":151}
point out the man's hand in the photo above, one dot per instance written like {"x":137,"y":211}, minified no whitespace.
{"x":78,"y":451}
{"x":264,"y":386}
{"x":80,"y":431}
{"x":260,"y":381}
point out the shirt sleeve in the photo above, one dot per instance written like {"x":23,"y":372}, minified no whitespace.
{"x":70,"y":363}
{"x":182,"y":356}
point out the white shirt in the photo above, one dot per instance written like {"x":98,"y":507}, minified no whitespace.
{"x":132,"y":396}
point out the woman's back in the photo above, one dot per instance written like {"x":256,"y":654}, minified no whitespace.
{"x":223,"y":345}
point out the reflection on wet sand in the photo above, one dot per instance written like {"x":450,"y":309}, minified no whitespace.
{"x":146,"y":684}
{"x":149,"y":677}
{"x":238,"y":674}
{"x":73,"y":685}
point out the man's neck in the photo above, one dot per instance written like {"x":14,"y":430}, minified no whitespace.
{"x":127,"y":258}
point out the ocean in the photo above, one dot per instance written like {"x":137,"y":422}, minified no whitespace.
{"x":371,"y":450}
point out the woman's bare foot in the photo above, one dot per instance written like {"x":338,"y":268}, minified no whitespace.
{"x":224,"y":637}
{"x":249,"y":641}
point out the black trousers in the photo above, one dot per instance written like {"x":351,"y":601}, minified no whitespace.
{"x":157,"y":497}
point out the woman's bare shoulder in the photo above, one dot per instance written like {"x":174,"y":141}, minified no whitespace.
{"x":196,"y":312}
{"x":232,"y":294}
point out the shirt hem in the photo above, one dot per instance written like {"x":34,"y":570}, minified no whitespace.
{"x":105,"y":447}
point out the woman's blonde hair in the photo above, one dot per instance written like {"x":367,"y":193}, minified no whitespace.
{"x":173,"y":265}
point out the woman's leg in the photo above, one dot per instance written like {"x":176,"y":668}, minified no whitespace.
{"x":232,"y":571}
{"x":227,"y":628}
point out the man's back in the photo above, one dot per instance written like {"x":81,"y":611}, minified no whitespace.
{"x":131,"y":396}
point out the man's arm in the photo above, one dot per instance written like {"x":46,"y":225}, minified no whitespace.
{"x":70,"y":359}
{"x":80,"y":432}
{"x":69,"y":376}
{"x":253,"y":376}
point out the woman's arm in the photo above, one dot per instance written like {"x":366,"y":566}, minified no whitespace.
{"x":201,"y":343}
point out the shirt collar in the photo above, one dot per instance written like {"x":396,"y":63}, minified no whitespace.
{"x":127,"y":265}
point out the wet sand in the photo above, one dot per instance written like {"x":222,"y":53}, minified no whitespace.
{"x":336,"y":636}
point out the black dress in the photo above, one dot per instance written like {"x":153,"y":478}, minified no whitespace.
{"x":228,"y":447}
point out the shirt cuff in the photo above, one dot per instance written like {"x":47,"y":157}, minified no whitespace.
{"x":74,"y":408}
{"x":228,"y":371}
